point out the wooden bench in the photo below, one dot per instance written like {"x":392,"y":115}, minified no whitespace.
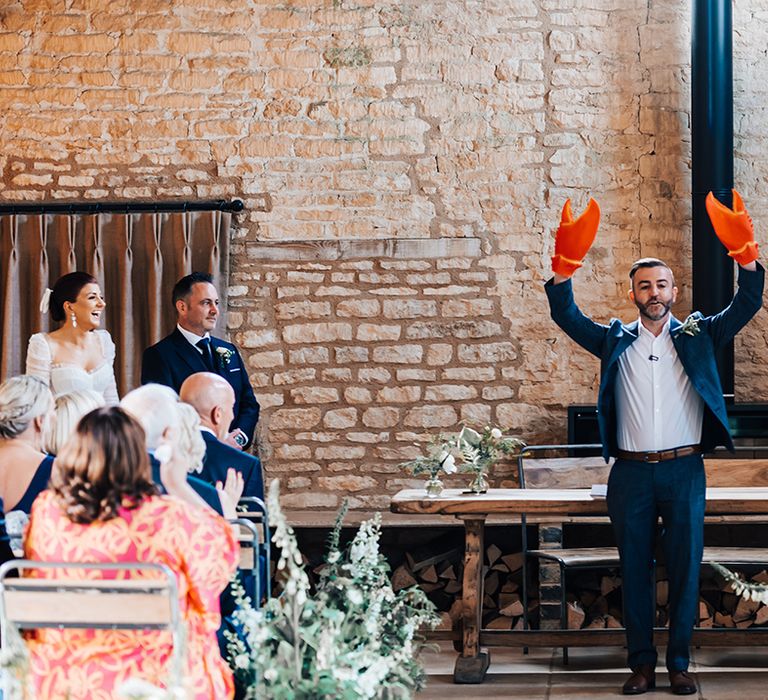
{"x":586,"y":472}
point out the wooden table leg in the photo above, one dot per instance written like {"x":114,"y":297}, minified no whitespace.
{"x":473,"y":662}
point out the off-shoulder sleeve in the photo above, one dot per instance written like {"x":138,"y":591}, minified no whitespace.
{"x":108,"y":348}
{"x":39,"y":358}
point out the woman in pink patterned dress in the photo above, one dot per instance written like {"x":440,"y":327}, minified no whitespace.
{"x":103,"y":507}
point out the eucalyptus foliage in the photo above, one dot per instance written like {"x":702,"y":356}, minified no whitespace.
{"x":353,"y":639}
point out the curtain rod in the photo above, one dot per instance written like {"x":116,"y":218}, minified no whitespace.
{"x":234,"y":205}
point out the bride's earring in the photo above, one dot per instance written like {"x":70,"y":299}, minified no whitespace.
{"x":74,"y":320}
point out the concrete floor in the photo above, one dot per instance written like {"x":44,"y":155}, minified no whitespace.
{"x":595,"y":673}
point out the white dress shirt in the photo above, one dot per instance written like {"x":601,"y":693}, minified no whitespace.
{"x":192,"y":339}
{"x":657,"y":407}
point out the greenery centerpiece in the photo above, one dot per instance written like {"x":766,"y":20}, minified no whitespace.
{"x":439,"y":458}
{"x":353,"y":639}
{"x":480,"y":451}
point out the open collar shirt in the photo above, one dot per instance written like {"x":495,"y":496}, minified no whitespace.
{"x":657,"y":406}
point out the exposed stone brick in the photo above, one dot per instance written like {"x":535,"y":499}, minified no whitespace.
{"x":409,"y":308}
{"x":317,"y":332}
{"x":309,"y":356}
{"x":356,"y":395}
{"x":340,"y":452}
{"x":361,"y":308}
{"x":449,"y":392}
{"x":340,"y":417}
{"x":399,"y":394}
{"x":372,"y":332}
{"x":431,"y":417}
{"x":398,"y":354}
{"x":294,"y":418}
{"x":384,"y":417}
{"x":302,"y":309}
{"x":307,"y":394}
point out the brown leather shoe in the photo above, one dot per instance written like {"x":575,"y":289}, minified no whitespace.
{"x":682,"y":683}
{"x":643,"y":678}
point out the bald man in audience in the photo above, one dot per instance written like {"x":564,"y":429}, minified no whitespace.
{"x":213,"y":398}
{"x":154,"y":406}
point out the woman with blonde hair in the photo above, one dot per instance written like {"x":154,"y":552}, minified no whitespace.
{"x":26,"y":408}
{"x":77,"y":355}
{"x":69,"y":409}
{"x":104,"y":505}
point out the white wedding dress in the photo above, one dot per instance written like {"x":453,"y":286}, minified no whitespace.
{"x":64,"y":378}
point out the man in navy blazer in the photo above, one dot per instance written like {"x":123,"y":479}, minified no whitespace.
{"x":660,"y":405}
{"x":213,"y":399}
{"x":191,"y":348}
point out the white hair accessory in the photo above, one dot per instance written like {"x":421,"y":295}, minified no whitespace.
{"x":46,"y":300}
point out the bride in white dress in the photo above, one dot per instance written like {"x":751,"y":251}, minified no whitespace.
{"x":78,"y":355}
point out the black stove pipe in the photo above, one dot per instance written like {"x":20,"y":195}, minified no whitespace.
{"x":712,"y":159}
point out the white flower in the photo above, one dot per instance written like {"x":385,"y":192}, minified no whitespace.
{"x":449,"y":464}
{"x":242,"y":661}
{"x":355,"y":596}
{"x":139,"y":689}
{"x":270,"y":674}
{"x":496,"y":433}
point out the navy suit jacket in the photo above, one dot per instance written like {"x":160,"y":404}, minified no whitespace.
{"x":219,"y":457}
{"x":173,"y":359}
{"x":207,"y":492}
{"x":696,"y":352}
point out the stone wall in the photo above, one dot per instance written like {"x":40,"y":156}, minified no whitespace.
{"x":403,"y":165}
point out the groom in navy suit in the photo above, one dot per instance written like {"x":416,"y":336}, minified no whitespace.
{"x":660,"y":405}
{"x":191,"y":348}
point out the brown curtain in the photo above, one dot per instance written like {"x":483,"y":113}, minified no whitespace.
{"x":137,"y":259}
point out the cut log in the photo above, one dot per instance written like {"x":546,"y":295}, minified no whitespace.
{"x":706,"y":623}
{"x":507,"y":599}
{"x":762,"y":577}
{"x":575,"y":616}
{"x":493,"y":553}
{"x":596,"y":623}
{"x":761,"y":616}
{"x":453,"y":587}
{"x":402,"y":578}
{"x":500,"y":623}
{"x":500,"y":567}
{"x":492,"y":583}
{"x":489,"y":603}
{"x":608,"y":584}
{"x":456,"y":610}
{"x":514,"y":609}
{"x":662,"y":592}
{"x":745,"y":610}
{"x":705,"y":610}
{"x":430,"y":587}
{"x":510,"y":587}
{"x":723,"y":620}
{"x":612,"y":623}
{"x":448,"y":572}
{"x":514,"y":561}
{"x":429,"y":574}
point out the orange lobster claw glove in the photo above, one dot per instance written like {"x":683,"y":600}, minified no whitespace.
{"x":574,"y":238}
{"x":734,"y":228}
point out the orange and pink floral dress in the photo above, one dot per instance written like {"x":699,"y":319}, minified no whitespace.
{"x":196,"y":543}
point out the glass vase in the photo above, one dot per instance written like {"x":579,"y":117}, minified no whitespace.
{"x":479,"y":484}
{"x":433,"y":487}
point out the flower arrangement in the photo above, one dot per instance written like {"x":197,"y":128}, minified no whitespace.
{"x":480,"y":451}
{"x":439,"y":458}
{"x":354,"y":639}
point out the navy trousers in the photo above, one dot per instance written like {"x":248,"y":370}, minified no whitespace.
{"x":638,"y":493}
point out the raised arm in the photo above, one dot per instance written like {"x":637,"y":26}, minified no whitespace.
{"x":574,"y":239}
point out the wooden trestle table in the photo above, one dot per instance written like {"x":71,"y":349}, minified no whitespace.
{"x":473,"y":509}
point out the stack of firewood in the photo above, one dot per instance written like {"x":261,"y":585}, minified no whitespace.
{"x":439,"y":573}
{"x":596,"y":603}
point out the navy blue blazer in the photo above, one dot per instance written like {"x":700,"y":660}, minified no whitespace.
{"x":696,"y":352}
{"x":219,"y":457}
{"x":207,"y":492}
{"x":173,"y":359}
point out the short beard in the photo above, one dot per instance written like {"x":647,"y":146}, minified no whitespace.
{"x":654,"y":316}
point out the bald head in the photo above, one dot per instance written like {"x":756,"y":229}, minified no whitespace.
{"x":213,"y":398}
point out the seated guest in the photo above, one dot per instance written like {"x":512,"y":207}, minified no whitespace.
{"x":191,"y":348}
{"x":69,"y":409}
{"x":104,"y":506}
{"x":193,"y":446}
{"x":26,"y":408}
{"x":77,"y":355}
{"x":213,"y":399}
{"x":156,"y":409}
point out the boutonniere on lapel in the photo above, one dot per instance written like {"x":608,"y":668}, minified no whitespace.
{"x":224,"y":355}
{"x":690,"y":326}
